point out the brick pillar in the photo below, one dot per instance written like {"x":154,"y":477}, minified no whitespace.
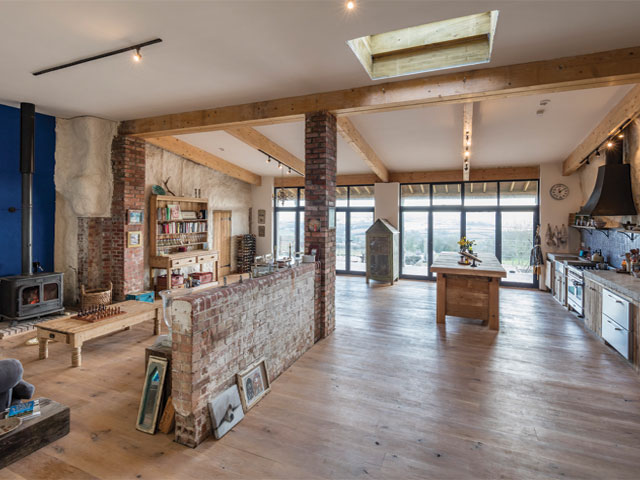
{"x":127,"y":264}
{"x":320,"y":197}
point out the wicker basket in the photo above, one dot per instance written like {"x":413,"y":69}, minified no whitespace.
{"x":95,"y":296}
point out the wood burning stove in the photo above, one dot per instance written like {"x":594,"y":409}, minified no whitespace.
{"x":29,"y":295}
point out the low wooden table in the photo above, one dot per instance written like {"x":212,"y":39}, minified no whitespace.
{"x":469,"y":292}
{"x":35,"y":433}
{"x":75,"y":332}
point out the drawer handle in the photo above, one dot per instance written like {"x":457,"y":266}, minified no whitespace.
{"x":617,"y":329}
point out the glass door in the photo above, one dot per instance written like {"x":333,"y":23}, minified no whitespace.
{"x":446,"y":232}
{"x":481,"y":227}
{"x":341,"y":241}
{"x":517,"y":242}
{"x":415,"y":243}
{"x":359,"y":223}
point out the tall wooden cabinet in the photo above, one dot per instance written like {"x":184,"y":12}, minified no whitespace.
{"x":383,"y":252}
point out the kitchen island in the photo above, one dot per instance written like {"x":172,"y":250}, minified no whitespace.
{"x":466,"y":291}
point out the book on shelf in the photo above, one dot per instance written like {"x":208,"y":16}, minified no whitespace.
{"x":25,"y":410}
{"x":182,"y":227}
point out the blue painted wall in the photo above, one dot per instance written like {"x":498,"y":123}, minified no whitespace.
{"x":44,"y":197}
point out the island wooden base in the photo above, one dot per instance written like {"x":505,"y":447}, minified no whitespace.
{"x":468,"y":296}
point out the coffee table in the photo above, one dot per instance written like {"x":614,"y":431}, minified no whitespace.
{"x":75,"y":332}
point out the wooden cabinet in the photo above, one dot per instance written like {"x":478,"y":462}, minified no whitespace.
{"x":382,"y":247}
{"x":559,"y":283}
{"x":593,"y":306}
{"x":178,"y":233}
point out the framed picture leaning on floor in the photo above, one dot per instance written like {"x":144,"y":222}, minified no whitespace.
{"x":253,"y":384}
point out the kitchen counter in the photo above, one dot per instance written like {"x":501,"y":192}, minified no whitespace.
{"x":623,"y":283}
{"x":469,"y":292}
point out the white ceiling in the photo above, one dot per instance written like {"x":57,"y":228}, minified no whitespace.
{"x":227,"y":52}
{"x":506,"y":132}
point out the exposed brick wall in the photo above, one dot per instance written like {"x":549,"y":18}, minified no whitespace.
{"x":103,"y":255}
{"x":320,"y":196}
{"x":220,"y":332}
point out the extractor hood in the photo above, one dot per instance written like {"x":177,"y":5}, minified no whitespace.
{"x":612,"y":195}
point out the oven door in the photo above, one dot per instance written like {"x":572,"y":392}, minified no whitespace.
{"x":575,"y":286}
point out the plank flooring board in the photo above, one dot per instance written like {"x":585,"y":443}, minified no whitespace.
{"x":389,"y":395}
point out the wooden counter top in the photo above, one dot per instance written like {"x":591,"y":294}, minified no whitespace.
{"x":447,"y":262}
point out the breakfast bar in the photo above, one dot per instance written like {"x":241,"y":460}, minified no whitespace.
{"x":466,"y":291}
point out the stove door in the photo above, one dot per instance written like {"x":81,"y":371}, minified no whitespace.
{"x":575,"y":287}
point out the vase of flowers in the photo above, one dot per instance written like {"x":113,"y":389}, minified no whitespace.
{"x":466,"y":245}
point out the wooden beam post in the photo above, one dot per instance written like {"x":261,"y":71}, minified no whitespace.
{"x":627,"y":108}
{"x":353,"y":137}
{"x":614,"y":67}
{"x":467,"y":125}
{"x":255,"y":139}
{"x":202,"y":157}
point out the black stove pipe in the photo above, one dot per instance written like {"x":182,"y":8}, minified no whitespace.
{"x":27,"y":168}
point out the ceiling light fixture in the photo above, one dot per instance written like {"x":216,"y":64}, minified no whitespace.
{"x":135,"y":47}
{"x":351,"y":5}
{"x":279,"y":165}
{"x":609,"y":144}
{"x":268,"y":159}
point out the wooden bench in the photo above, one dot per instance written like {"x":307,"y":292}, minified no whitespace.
{"x":75,"y":332}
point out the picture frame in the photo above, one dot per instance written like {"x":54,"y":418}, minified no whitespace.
{"x":134,"y":239}
{"x":261,"y":216}
{"x":151,"y":398}
{"x":261,"y":231}
{"x":253,"y":384}
{"x":174,"y":212}
{"x":135,"y":217}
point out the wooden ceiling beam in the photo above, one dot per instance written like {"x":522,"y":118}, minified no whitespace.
{"x":255,"y":139}
{"x":614,"y":67}
{"x":353,"y":137}
{"x":451,"y":176}
{"x":202,"y":157}
{"x":627,"y":108}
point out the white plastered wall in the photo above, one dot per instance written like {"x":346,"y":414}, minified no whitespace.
{"x":262,"y":199}
{"x":84,"y":186}
{"x":387,"y":202}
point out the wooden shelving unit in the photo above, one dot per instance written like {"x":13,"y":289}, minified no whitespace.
{"x":179,"y":247}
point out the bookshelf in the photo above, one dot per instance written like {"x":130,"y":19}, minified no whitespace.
{"x":171,"y":232}
{"x":179,"y":234}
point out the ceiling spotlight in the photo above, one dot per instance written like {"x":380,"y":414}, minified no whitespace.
{"x":597,"y":153}
{"x":268,"y":159}
{"x":621,"y":135}
{"x":609,"y":144}
{"x":467,"y":153}
{"x":351,"y":5}
{"x":279,"y":165}
{"x":137,"y":56}
{"x":289,"y":171}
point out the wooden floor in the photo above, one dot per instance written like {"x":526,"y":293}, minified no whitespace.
{"x":388,"y":395}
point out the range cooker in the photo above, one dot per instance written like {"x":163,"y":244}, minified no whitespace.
{"x":575,"y":283}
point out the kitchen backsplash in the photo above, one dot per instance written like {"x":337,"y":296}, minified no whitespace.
{"x":613,"y":247}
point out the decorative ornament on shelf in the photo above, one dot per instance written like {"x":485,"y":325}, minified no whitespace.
{"x":559,"y":191}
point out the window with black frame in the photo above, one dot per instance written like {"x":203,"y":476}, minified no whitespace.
{"x":500,"y":216}
{"x":354,"y":215}
{"x":289,"y":220}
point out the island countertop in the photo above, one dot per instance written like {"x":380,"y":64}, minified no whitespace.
{"x":447,"y":262}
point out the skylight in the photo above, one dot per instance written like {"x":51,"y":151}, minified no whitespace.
{"x":456,"y":42}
